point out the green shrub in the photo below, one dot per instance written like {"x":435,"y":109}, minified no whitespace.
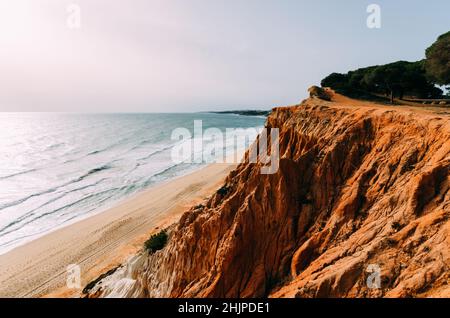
{"x":156,"y":242}
{"x":396,"y":226}
{"x":223,"y":191}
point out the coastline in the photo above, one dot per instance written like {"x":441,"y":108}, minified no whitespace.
{"x":104,"y":240}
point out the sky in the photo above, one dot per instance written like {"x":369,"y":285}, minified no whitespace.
{"x":196,"y":55}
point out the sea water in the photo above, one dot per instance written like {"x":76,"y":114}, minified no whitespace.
{"x":56,"y":169}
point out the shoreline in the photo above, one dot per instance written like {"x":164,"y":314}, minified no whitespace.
{"x":105,"y":239}
{"x":102,"y":209}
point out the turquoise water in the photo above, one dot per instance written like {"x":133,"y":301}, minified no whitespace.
{"x":59,"y":168}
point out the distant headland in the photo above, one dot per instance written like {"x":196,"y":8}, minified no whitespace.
{"x":244,"y":112}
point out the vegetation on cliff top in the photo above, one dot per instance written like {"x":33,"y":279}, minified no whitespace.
{"x":437,"y":63}
{"x":399,"y":79}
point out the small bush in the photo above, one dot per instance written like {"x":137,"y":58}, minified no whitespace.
{"x":396,"y":226}
{"x":223,"y":191}
{"x":156,"y":242}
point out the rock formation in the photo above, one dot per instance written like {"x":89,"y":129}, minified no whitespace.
{"x":319,"y":92}
{"x":358,"y":189}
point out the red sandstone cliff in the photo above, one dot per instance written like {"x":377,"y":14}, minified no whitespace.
{"x":357,"y":185}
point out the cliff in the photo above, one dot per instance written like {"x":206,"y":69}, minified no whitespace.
{"x":359,"y":188}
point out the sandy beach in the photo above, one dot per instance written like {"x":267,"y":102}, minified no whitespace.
{"x":103,"y":241}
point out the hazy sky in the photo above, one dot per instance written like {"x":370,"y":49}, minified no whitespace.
{"x":191,"y":55}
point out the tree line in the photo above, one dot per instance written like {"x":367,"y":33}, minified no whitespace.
{"x":399,"y":79}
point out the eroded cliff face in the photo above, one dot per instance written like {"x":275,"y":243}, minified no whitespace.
{"x":358,"y":188}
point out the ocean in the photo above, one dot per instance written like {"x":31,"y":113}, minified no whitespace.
{"x":56,"y":169}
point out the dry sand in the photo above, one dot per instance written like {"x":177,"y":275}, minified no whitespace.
{"x":103,"y":241}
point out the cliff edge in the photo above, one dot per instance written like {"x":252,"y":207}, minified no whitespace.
{"x":362,"y":189}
